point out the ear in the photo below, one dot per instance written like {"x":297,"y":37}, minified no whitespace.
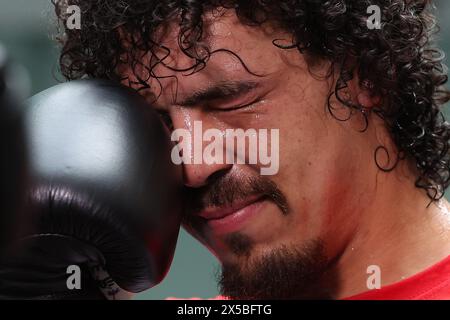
{"x":362,"y":93}
{"x":365,"y":96}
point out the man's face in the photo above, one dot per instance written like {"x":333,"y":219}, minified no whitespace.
{"x":308,"y":209}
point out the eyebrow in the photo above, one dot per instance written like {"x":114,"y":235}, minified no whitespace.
{"x":220,"y":91}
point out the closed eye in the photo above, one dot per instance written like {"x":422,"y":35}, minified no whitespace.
{"x":234,"y":107}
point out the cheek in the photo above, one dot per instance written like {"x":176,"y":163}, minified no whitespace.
{"x":317,"y":170}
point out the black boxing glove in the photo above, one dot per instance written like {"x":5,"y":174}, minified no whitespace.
{"x":103,"y":196}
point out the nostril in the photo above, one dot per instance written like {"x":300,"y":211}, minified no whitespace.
{"x":217,"y":175}
{"x":194,"y":179}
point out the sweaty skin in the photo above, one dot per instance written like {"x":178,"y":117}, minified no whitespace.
{"x":327,"y":173}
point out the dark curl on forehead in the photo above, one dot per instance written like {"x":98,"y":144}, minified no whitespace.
{"x":398,"y":62}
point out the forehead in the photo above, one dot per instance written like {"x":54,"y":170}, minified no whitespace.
{"x":232,"y":44}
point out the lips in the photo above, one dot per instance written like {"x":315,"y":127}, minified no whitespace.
{"x":234,"y":217}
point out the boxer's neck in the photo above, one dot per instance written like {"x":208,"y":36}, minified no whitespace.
{"x":398,"y":233}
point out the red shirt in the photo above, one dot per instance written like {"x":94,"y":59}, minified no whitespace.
{"x":431,"y":284}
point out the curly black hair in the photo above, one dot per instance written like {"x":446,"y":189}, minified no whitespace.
{"x":399,"y":61}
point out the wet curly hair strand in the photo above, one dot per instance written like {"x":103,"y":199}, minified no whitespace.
{"x":399,"y":61}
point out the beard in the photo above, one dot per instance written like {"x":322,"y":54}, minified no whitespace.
{"x":287,"y":272}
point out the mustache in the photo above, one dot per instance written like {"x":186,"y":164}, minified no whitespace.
{"x":224,"y":190}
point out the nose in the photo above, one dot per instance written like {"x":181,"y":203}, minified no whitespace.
{"x":197,"y":173}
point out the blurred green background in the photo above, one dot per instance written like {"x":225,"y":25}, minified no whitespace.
{"x":26,"y":27}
